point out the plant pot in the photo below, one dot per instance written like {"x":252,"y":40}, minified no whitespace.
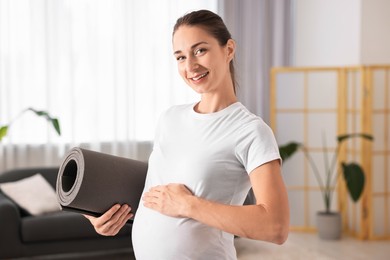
{"x":329,"y":225}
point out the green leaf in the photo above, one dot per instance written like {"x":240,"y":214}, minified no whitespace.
{"x":54,"y":121}
{"x":40,"y":113}
{"x":341,"y":138}
{"x":354,"y":178}
{"x":56,"y":125}
{"x":3,"y":131}
{"x":286,"y":151}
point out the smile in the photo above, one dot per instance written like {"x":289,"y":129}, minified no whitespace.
{"x":200,"y":76}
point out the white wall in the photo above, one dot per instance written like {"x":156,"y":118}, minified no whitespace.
{"x":327,"y":32}
{"x":375,"y":28}
{"x":341,"y":32}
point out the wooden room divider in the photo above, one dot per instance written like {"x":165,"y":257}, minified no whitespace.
{"x":312,"y":106}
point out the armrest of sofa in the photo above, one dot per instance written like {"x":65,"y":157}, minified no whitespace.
{"x":10,"y":222}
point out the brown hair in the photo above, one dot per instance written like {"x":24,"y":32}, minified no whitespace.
{"x":214,"y":25}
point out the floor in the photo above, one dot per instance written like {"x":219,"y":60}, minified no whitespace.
{"x":299,"y":246}
{"x":309,"y":246}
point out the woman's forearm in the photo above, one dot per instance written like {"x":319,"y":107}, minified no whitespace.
{"x":250,"y":221}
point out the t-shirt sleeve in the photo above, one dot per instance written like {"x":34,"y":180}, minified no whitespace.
{"x":256,"y":145}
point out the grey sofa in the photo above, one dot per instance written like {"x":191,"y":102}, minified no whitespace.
{"x":23,"y":235}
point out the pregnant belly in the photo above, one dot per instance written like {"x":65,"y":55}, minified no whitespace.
{"x":156,"y":236}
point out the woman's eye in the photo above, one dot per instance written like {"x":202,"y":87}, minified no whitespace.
{"x":200,"y":51}
{"x":180,"y":58}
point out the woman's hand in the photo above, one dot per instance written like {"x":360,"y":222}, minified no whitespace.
{"x":171,"y":200}
{"x":112,"y":220}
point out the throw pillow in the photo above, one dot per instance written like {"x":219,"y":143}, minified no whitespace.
{"x":33,"y":194}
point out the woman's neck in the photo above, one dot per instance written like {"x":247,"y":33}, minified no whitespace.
{"x":211,"y":103}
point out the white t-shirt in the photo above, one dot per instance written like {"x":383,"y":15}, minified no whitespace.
{"x":212,"y":155}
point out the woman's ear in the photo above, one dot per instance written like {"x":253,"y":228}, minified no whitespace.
{"x":231,"y":49}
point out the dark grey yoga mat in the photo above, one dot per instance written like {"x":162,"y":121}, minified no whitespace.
{"x":91,"y":182}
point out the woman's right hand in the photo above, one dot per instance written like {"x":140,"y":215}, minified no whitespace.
{"x":112,"y":220}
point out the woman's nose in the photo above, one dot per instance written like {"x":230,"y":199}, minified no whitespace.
{"x":191,"y":64}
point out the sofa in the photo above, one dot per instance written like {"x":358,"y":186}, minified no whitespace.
{"x":56,"y":233}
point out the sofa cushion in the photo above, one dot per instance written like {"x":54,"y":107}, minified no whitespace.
{"x":59,"y":226}
{"x":34,"y":194}
{"x":56,"y":226}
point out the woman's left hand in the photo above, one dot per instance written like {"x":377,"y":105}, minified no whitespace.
{"x":171,"y":200}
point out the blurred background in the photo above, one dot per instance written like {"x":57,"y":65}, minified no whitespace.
{"x":106,"y":70}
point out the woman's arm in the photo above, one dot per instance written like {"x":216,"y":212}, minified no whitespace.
{"x":268,"y":220}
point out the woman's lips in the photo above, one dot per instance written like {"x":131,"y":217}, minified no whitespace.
{"x":197,"y":78}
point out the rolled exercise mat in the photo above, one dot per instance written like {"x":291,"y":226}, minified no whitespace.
{"x":91,"y":182}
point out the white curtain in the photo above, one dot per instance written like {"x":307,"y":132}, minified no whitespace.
{"x":263,"y":31}
{"x":104,"y":67}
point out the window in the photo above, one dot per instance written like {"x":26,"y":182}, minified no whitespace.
{"x":105,"y":68}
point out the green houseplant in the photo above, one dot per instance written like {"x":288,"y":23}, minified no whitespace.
{"x":53,"y":121}
{"x":352,"y":173}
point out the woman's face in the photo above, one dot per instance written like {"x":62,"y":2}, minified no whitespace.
{"x":202,"y":62}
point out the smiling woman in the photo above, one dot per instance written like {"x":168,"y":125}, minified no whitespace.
{"x":206,"y":157}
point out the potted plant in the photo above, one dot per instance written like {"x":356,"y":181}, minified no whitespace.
{"x":328,"y":222}
{"x":54,"y":121}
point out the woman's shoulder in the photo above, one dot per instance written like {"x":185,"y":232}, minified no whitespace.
{"x":249,"y":123}
{"x":247,"y":118}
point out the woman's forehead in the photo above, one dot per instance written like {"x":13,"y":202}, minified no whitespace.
{"x":186,"y":36}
